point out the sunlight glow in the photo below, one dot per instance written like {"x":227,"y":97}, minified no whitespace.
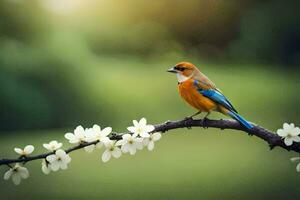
{"x":63,"y":6}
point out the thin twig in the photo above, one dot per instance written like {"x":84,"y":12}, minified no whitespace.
{"x":271,"y":138}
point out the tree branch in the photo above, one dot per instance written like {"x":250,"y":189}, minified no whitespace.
{"x":271,"y":138}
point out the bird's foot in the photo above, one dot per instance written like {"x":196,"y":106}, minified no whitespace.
{"x":205,"y":119}
{"x":188,"y":118}
{"x":191,"y":117}
{"x":188,"y":126}
{"x":186,"y":122}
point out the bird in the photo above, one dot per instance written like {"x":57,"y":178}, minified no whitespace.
{"x":202,"y":94}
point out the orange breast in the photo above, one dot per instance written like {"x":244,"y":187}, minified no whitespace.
{"x":189,"y":93}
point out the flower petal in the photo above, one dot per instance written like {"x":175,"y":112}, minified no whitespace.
{"x":51,"y":158}
{"x":288,"y":141}
{"x":298,"y":167}
{"x":295,"y":131}
{"x":108,"y":143}
{"x":139,"y":139}
{"x":135,"y":123}
{"x":79,"y":131}
{"x":45,"y":169}
{"x":47,"y":146}
{"x":281,"y":132}
{"x":90,"y":148}
{"x":286,"y":127}
{"x":60,"y":153}
{"x":296,"y":138}
{"x":121,"y":142}
{"x":106,"y":156}
{"x":96,"y":128}
{"x":28,"y":149}
{"x":99,"y":145}
{"x":24,"y":173}
{"x":156,"y":136}
{"x":116,"y":153}
{"x":146,"y":141}
{"x":151,"y":146}
{"x":18,"y":151}
{"x":131,"y":129}
{"x":53,"y":143}
{"x":69,"y":136}
{"x":54,"y":166}
{"x":126,"y":137}
{"x":149,"y":128}
{"x":66,"y":158}
{"x":145,"y":134}
{"x":143,"y":122}
{"x":139,"y":145}
{"x":132,"y":150}
{"x":125,"y":148}
{"x":16,"y":178}
{"x":63,"y":166}
{"x":104,"y":139}
{"x":295,"y":159}
{"x":134,"y":135}
{"x":58,"y":146}
{"x":8,"y":174}
{"x":106,"y":131}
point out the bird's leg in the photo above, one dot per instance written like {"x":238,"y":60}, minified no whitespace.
{"x":204,"y":120}
{"x":191,"y":117}
{"x":205,"y":117}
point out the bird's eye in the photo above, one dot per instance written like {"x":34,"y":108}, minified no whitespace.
{"x":180,"y":68}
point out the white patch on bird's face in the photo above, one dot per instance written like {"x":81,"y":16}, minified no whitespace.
{"x":181,"y":78}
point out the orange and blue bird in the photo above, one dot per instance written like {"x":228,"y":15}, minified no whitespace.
{"x":201,"y":93}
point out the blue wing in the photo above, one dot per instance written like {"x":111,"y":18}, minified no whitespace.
{"x":216,"y":96}
{"x":219,"y":98}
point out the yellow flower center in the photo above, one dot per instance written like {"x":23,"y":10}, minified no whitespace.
{"x":139,"y":130}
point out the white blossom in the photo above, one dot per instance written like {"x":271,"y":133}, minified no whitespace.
{"x":149,"y":142}
{"x":89,"y":135}
{"x":17,"y":173}
{"x":130,"y":143}
{"x":45,"y":167}
{"x":26,"y":151}
{"x":101,"y":135}
{"x":295,"y":159}
{"x":90,"y":148}
{"x":141,"y":128}
{"x":96,"y":134}
{"x":53,"y":145}
{"x":59,"y":160}
{"x":112,"y":149}
{"x":289,"y":133}
{"x":77,"y":137}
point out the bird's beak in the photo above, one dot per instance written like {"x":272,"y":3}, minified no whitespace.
{"x":172,"y":70}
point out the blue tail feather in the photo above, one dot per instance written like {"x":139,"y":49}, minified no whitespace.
{"x":240,"y":119}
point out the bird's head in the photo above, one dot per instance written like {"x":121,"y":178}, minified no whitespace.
{"x":184,"y":71}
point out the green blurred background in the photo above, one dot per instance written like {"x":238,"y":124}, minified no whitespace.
{"x":70,"y":62}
